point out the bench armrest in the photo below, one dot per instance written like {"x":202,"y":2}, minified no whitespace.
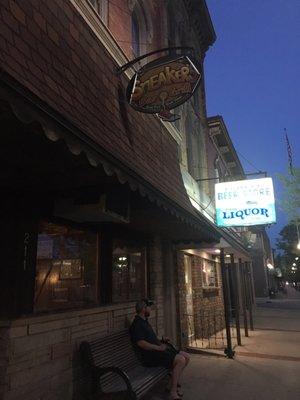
{"x":102,"y":371}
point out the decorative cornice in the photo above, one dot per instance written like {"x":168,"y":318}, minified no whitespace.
{"x":217,"y":127}
{"x":202,"y":23}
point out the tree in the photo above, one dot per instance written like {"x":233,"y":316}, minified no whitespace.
{"x":288,"y":240}
{"x":289,"y":236}
{"x":289,"y":258}
{"x":291,"y":196}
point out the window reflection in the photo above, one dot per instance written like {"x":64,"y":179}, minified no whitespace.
{"x":128,"y":274}
{"x":66,"y":267}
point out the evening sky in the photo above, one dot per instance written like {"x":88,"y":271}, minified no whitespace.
{"x":252,"y":76}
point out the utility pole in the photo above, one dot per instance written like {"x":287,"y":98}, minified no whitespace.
{"x":228,"y":351}
{"x":236,"y":298}
{"x":249,"y":294}
{"x":240,"y":275}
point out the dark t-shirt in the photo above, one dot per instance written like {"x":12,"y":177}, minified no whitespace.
{"x":140,"y":329}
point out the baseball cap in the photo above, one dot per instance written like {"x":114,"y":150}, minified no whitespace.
{"x":143,"y":303}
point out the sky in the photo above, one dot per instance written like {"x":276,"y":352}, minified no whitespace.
{"x":252,"y":78}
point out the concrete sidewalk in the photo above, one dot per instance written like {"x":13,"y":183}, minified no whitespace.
{"x":266,"y":367}
{"x":277,"y":330}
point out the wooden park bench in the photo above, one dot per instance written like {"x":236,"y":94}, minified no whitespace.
{"x":115,"y":368}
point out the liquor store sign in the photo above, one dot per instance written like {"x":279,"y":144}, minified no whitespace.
{"x":245,"y":203}
{"x":163,"y":84}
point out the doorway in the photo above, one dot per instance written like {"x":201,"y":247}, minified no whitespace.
{"x":189,"y":299}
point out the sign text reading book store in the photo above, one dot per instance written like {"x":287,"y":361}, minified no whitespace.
{"x":163,"y":84}
{"x":245,"y":203}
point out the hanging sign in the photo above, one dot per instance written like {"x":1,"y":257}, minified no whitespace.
{"x":245,"y":203}
{"x":163,"y":84}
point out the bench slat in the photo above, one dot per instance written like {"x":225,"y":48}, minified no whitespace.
{"x":140,"y":378}
{"x":116,"y":350}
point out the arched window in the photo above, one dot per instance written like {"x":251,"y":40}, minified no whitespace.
{"x":135,"y":38}
{"x":141,"y":27}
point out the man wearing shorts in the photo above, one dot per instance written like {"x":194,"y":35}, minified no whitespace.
{"x":154,"y":353}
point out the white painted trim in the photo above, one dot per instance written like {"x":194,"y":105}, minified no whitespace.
{"x":86,"y":10}
{"x":174,"y":132}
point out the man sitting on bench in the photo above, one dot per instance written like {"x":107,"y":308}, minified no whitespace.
{"x":155,"y":353}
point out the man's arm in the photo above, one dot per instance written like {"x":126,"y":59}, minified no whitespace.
{"x":143,"y":344}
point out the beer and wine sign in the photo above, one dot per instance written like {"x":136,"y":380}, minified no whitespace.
{"x":245,"y":203}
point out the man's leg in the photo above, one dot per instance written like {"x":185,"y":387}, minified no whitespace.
{"x":186,"y":357}
{"x":178,"y":365}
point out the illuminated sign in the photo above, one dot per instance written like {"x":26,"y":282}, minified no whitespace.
{"x":245,"y":203}
{"x":163,"y":85}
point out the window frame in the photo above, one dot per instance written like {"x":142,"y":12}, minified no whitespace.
{"x":142,"y":14}
{"x":24,"y":292}
{"x":101,"y":8}
{"x":98,"y":289}
{"x":143,"y":249}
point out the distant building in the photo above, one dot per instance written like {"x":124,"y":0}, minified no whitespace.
{"x":262,"y":263}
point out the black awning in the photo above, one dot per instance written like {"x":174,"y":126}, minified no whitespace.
{"x":28,"y":109}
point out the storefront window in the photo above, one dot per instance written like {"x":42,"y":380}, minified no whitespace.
{"x":209,"y":273}
{"x":66,"y":268}
{"x":129,"y":274}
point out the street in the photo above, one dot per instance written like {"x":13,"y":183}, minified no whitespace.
{"x":266,"y":366}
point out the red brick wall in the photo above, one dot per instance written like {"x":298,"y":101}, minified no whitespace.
{"x":181,"y":301}
{"x":119,"y":23}
{"x":51,"y":50}
{"x":208,"y":309}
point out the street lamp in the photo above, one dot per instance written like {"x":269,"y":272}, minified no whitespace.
{"x":298,"y":245}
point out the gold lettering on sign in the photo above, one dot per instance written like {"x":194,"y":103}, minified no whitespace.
{"x":167,"y":77}
{"x":162,"y":85}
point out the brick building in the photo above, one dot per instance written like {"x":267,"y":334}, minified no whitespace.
{"x":263,"y":263}
{"x":101,"y":205}
{"x":94,"y":198}
{"x":199,"y":264}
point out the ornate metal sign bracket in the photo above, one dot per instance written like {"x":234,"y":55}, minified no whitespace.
{"x":185,"y":51}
